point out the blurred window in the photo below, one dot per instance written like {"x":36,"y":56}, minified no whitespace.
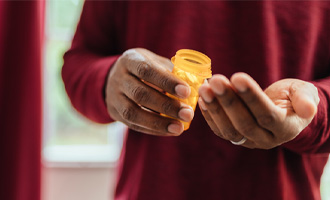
{"x":68,"y":136}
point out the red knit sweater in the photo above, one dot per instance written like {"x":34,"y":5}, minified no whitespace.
{"x":270,"y":40}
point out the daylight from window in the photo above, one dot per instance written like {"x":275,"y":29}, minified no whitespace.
{"x":68,"y":136}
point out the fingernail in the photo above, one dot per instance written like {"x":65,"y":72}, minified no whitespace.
{"x":238,"y":82}
{"x":182,"y":91}
{"x":201,"y":103}
{"x":175,"y":128}
{"x":241,"y":87}
{"x":219,"y":89}
{"x":207,"y":96}
{"x":186,"y":114}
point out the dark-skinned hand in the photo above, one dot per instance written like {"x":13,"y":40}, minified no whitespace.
{"x":135,"y":94}
{"x":238,"y":108}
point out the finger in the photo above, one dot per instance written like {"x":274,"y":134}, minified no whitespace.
{"x":148,"y":131}
{"x":154,"y":73}
{"x":133,"y":114}
{"x":115,"y":115}
{"x":238,"y":114}
{"x":304,"y":98}
{"x":150,"y":98}
{"x":208,"y":118}
{"x":216,"y":114}
{"x":262,"y":107}
{"x":248,"y":143}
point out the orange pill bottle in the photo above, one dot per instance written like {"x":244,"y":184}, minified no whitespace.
{"x":193,"y":67}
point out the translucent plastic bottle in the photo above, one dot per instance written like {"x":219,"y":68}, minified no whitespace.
{"x":193,"y":67}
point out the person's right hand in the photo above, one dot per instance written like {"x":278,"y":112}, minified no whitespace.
{"x":139,"y":80}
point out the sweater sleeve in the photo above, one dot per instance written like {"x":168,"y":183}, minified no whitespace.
{"x":315,"y":138}
{"x":88,"y":61}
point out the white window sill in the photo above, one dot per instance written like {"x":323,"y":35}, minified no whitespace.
{"x":81,"y":156}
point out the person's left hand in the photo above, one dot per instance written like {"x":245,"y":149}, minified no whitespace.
{"x":240,"y":108}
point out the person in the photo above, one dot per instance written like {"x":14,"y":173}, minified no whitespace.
{"x":262,"y":130}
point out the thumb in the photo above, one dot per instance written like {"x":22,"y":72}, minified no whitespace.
{"x":304,"y":98}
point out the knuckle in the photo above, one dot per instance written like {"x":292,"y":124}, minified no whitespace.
{"x":167,"y":106}
{"x":266,"y":121}
{"x":229,"y":133}
{"x":143,"y":70}
{"x":129,"y":114}
{"x":157,"y":125}
{"x":140,"y":94}
{"x":124,"y":61}
{"x":121,"y":60}
{"x":250,"y":98}
{"x":228,"y":102}
{"x":214,"y":108}
{"x":246,"y":129}
{"x":164,"y":82}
